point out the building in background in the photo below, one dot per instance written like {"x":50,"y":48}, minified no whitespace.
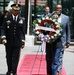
{"x":37,"y":7}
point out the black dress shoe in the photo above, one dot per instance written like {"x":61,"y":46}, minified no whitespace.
{"x":8,"y":73}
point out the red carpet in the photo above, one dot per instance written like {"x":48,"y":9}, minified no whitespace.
{"x":30,"y":65}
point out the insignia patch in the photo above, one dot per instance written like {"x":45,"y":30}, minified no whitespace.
{"x":21,"y":21}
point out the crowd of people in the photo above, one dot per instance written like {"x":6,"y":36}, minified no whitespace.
{"x":13,"y":37}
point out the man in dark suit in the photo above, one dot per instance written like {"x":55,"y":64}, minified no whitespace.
{"x":55,"y":51}
{"x":13,"y":37}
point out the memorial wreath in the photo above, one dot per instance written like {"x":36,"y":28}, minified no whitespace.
{"x":50,"y":25}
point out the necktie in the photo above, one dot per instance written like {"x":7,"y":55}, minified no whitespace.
{"x":14,"y":18}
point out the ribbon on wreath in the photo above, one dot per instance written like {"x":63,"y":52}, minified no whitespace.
{"x":44,"y":39}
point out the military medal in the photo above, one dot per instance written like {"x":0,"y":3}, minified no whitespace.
{"x":8,"y":22}
{"x":8,"y":27}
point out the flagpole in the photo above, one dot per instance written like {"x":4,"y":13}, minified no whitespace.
{"x":29,"y":38}
{"x":29,"y":4}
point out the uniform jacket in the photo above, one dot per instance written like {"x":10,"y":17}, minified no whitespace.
{"x":13,"y":32}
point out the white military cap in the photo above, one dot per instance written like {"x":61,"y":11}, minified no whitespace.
{"x":16,"y":6}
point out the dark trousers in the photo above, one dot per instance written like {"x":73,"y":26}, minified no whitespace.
{"x":12,"y":58}
{"x":50,"y":52}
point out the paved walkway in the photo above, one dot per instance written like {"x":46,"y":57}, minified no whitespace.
{"x":68,"y":60}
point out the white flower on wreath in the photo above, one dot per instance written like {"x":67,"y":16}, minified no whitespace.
{"x":39,"y":21}
{"x":58,"y":26}
{"x":54,"y":20}
{"x":56,"y":23}
{"x":37,"y":32}
{"x":36,"y":24}
{"x":57,"y":31}
{"x":47,"y":17}
{"x":43,"y":18}
{"x":49,"y":38}
{"x":59,"y":34}
{"x":50,"y":18}
{"x":52,"y":37}
{"x":36,"y":27}
{"x":55,"y":35}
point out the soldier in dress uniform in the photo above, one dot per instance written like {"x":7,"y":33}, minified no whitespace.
{"x":13,"y":37}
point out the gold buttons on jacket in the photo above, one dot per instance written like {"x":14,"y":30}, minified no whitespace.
{"x":14,"y":29}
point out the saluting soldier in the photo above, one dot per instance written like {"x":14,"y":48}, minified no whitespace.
{"x":13,"y":37}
